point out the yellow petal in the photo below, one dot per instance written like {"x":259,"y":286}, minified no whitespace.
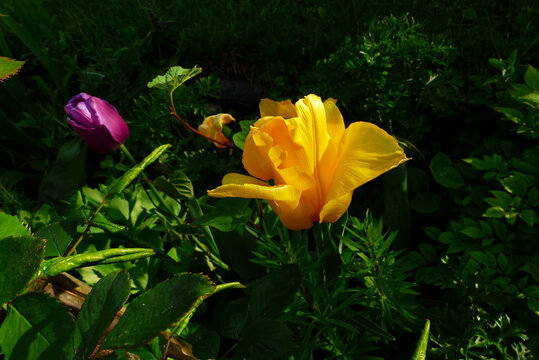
{"x":335,"y":122}
{"x":334,"y":208}
{"x":212,"y":127}
{"x":277,"y":108}
{"x":311,"y":130}
{"x":255,"y":154}
{"x":237,"y":185}
{"x":367,"y":152}
{"x":297,"y":217}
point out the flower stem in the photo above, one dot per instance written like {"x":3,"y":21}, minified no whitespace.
{"x":88,"y":225}
{"x":175,"y":114}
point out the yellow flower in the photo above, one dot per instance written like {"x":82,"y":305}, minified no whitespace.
{"x":314,"y":161}
{"x":212,"y":127}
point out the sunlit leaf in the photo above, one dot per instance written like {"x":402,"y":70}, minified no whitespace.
{"x":20,"y":257}
{"x":37,"y":326}
{"x":157,"y":309}
{"x":9,"y":67}
{"x":444,"y":173}
{"x":173,"y":78}
{"x":11,"y":226}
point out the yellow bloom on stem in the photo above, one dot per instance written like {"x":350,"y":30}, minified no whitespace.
{"x":314,"y":161}
{"x":212,"y":127}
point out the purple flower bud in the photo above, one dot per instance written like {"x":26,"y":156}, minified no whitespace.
{"x":97,"y":122}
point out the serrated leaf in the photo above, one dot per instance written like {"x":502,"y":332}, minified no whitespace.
{"x":157,"y":309}
{"x":123,"y":181}
{"x":98,"y":312}
{"x":444,"y":173}
{"x":11,"y":226}
{"x":173,"y":78}
{"x":20,"y":257}
{"x":274,"y":292}
{"x":37,"y":326}
{"x":9,"y":67}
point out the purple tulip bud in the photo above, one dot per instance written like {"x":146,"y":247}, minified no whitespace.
{"x":97,"y":122}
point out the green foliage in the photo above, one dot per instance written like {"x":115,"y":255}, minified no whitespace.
{"x":384,"y":73}
{"x":486,"y":257}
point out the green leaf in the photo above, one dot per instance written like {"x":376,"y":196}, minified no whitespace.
{"x":444,"y":173}
{"x":229,"y":214}
{"x":234,"y":318}
{"x":531,"y":78}
{"x":123,"y":181}
{"x":20,"y":257}
{"x":157,"y":309}
{"x":420,"y":352}
{"x":428,"y":251}
{"x":98,"y":312}
{"x":57,"y":239}
{"x":205,"y":343}
{"x":372,"y":327}
{"x":177,"y":186}
{"x":59,"y":264}
{"x":9,"y":67}
{"x":473,"y":232}
{"x":152,"y":351}
{"x":494,"y":212}
{"x":531,"y":99}
{"x":11,"y":226}
{"x":239,"y":137}
{"x":265,"y":340}
{"x":532,"y":269}
{"x":530,"y":217}
{"x":432,"y":232}
{"x":173,"y":78}
{"x":37,"y":326}
{"x":274,"y":292}
{"x":497,"y":63}
{"x":512,"y":114}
